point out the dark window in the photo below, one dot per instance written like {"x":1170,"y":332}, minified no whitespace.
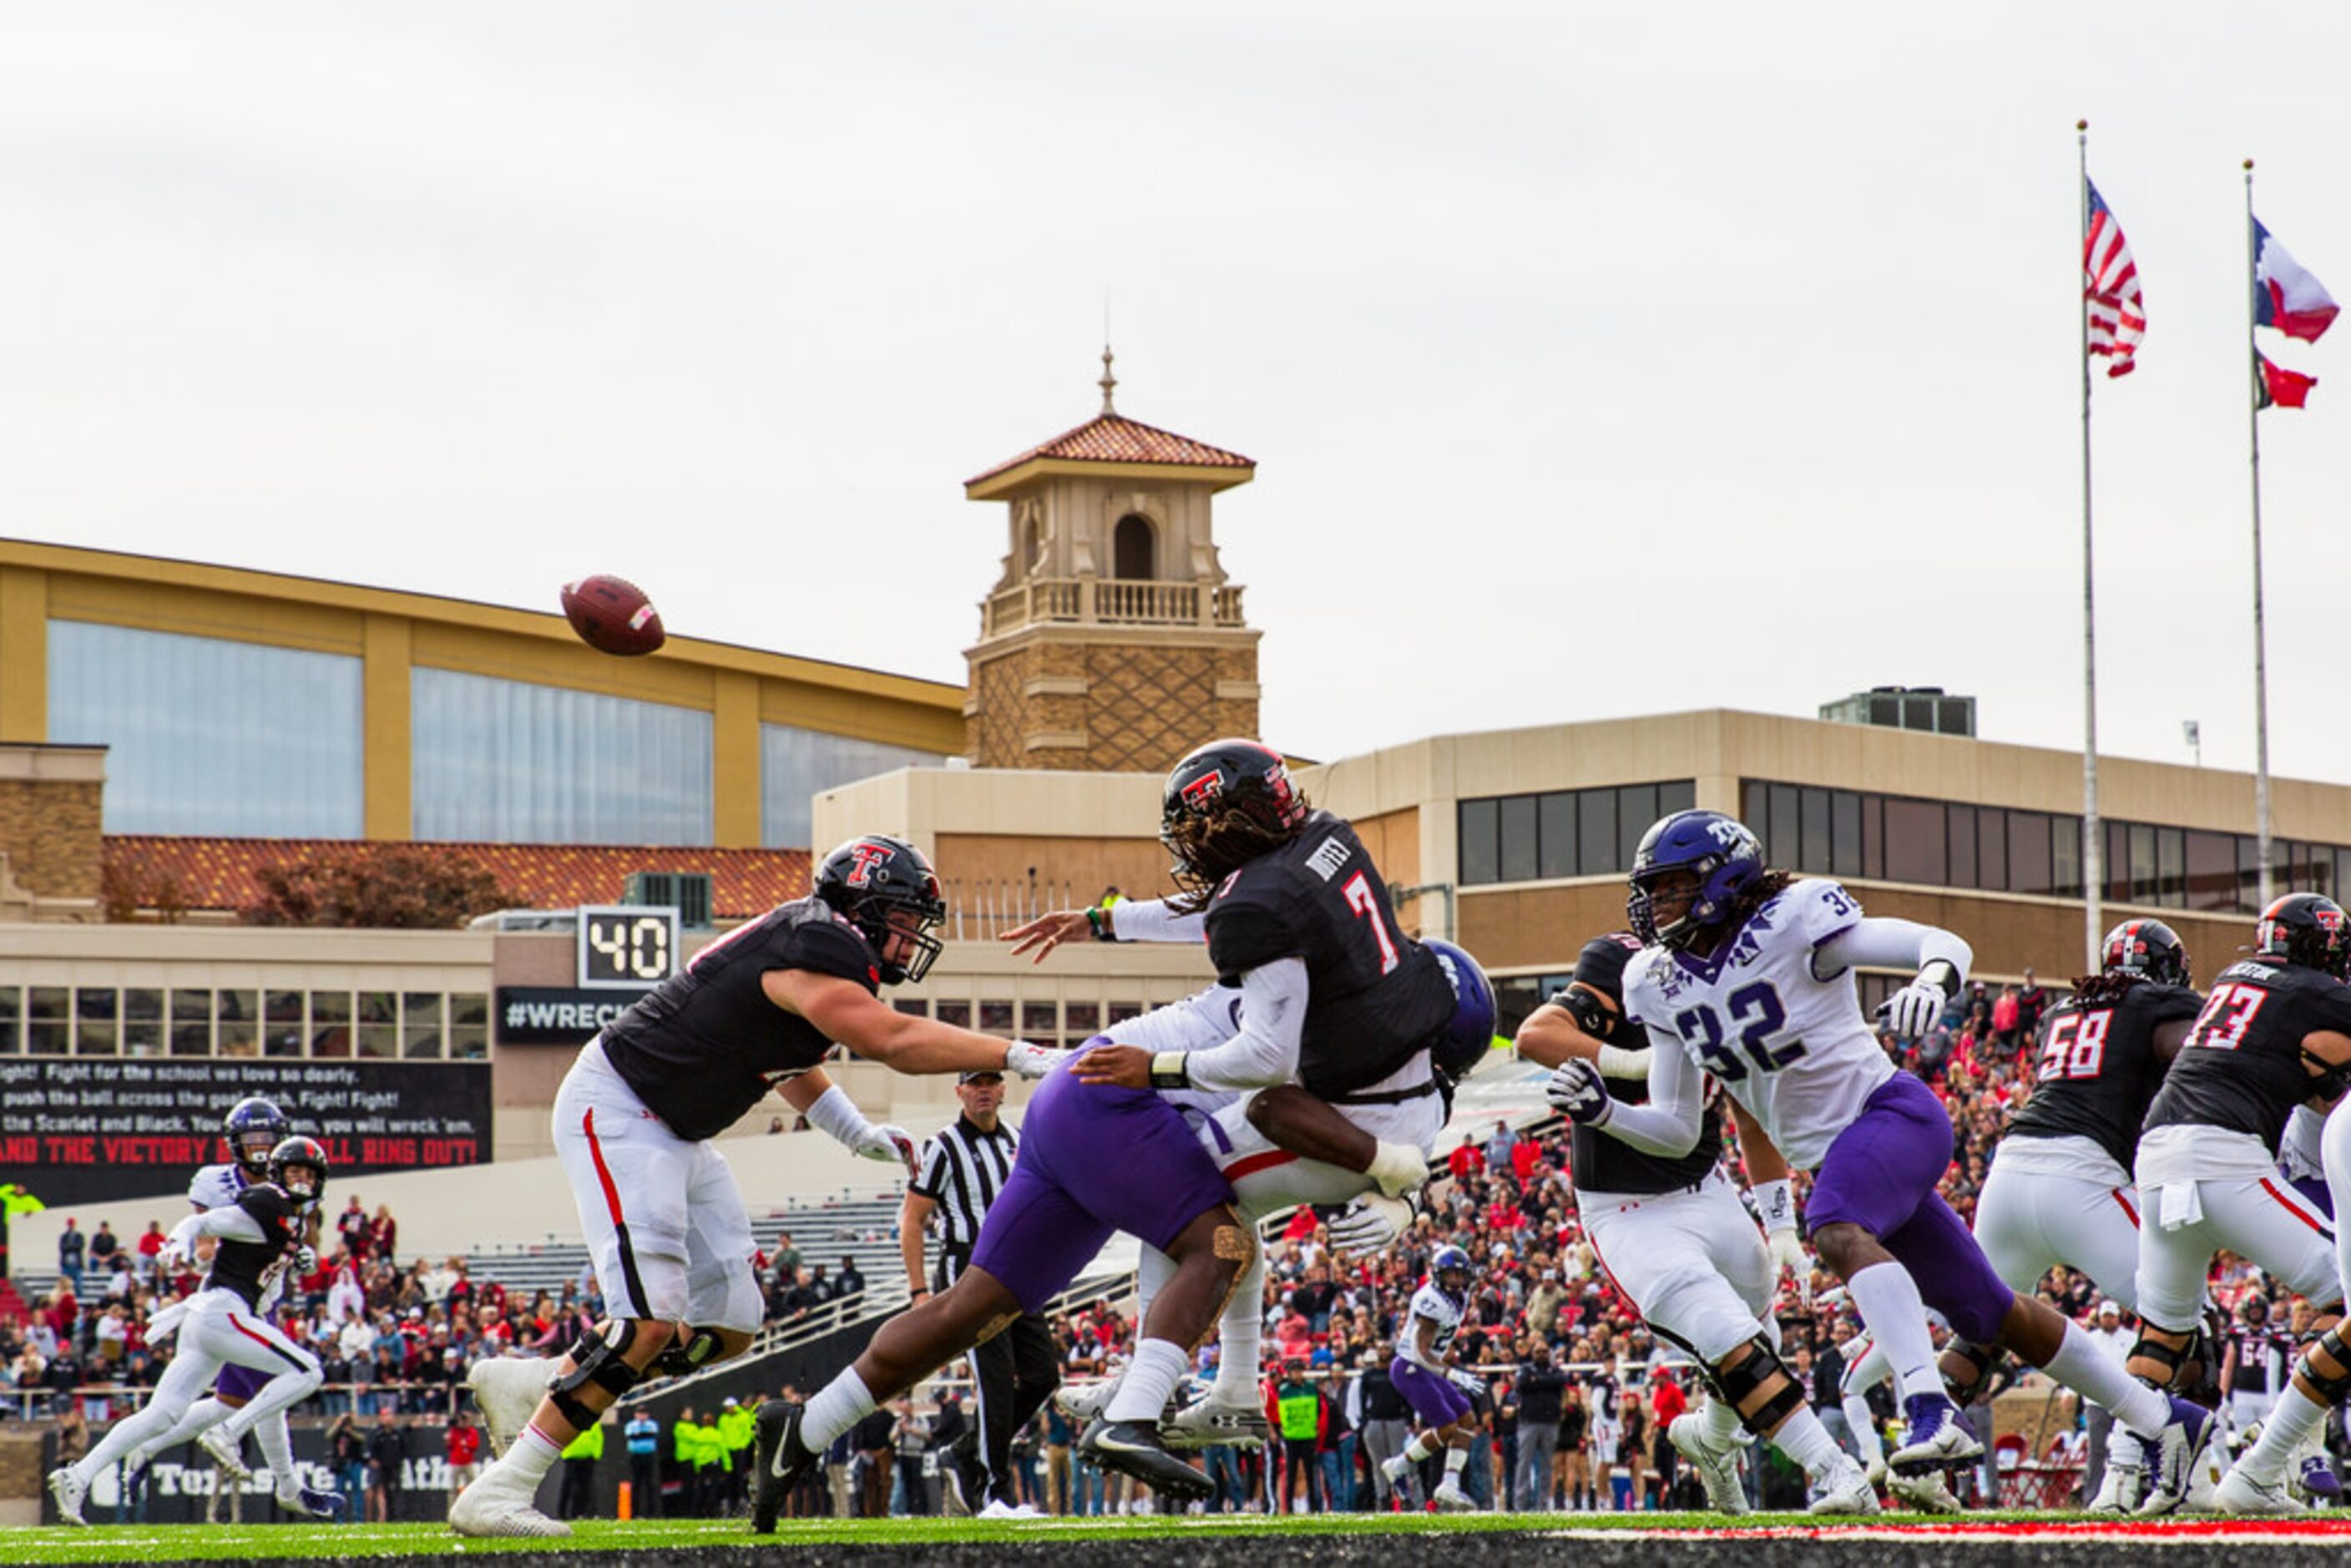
{"x":1595,"y":821}
{"x":1039,"y":1021}
{"x":1555,"y":827}
{"x":1914,"y":840}
{"x":957,"y":1013}
{"x":2171,"y":867}
{"x":1680,"y":795}
{"x":2249,"y":874}
{"x":1991,"y":848}
{"x":2065,"y":856}
{"x":1873,"y":835}
{"x":1481,"y":844}
{"x":1518,"y":859}
{"x":996,"y":1018}
{"x":1636,"y":813}
{"x":1130,"y":548}
{"x":1783,"y":847}
{"x":1961,"y":822}
{"x":2318,"y":870}
{"x":1513,"y":1000}
{"x":2028,"y":868}
{"x":1755,"y":810}
{"x":1813,"y":842}
{"x":2116,"y":872}
{"x":1845,"y":833}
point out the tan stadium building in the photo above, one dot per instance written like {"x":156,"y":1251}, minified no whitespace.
{"x":170,"y":731}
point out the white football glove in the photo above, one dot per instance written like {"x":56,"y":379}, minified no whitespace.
{"x":1912,"y":1011}
{"x":1025,"y":1061}
{"x":1575,"y":1091}
{"x":880,"y":1141}
{"x":1788,"y":1252}
{"x":171,"y":1260}
{"x":1370,"y":1223}
{"x":1467,"y":1381}
{"x":306,"y":1260}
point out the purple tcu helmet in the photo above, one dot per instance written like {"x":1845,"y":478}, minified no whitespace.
{"x":1721,"y":851}
{"x":253,"y":1128}
{"x":1449,"y":1259}
{"x":1469,"y":1035}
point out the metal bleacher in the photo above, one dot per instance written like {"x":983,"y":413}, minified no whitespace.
{"x":860,"y":1223}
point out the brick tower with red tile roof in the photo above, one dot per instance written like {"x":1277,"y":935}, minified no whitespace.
{"x":1113,"y":642}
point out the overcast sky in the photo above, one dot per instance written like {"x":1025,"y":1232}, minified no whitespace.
{"x":1597,"y":359}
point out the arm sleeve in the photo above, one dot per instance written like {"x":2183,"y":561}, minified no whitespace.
{"x":1265,"y":1051}
{"x":1882,"y":942}
{"x":1150,"y":920}
{"x":1670,"y":1123}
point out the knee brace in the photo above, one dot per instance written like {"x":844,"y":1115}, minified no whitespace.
{"x":1977,"y":1356}
{"x":689,"y":1354}
{"x":2171,"y":1361}
{"x":1763,"y":1379}
{"x":596,"y":1358}
{"x":2330,"y":1390}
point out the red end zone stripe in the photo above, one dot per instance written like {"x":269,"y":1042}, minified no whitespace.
{"x":603,"y":1172}
{"x":2292,"y":1208}
{"x":1249,"y":1164}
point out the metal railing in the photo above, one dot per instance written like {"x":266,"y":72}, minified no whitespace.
{"x":1111,"y":600}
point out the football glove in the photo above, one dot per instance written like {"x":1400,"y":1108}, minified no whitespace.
{"x":1575,"y":1091}
{"x":1467,"y":1381}
{"x":1025,"y":1061}
{"x":880,"y":1141}
{"x":1370,"y":1223}
{"x":306,"y":1260}
{"x":1912,"y":1011}
{"x":1788,"y":1252}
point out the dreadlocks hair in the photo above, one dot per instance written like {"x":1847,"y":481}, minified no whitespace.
{"x":1210,"y":848}
{"x":2105,"y":988}
{"x":1767,"y":887}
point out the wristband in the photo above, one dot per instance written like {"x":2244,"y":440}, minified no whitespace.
{"x":1775,"y":1203}
{"x":1098,"y":919}
{"x":1167,"y":1070}
{"x":1941,"y":974}
{"x":1616,"y":1061}
{"x":836,"y":1115}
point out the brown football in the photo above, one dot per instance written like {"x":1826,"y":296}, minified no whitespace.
{"x":613,"y":614}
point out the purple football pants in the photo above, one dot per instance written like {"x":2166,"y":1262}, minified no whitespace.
{"x":1094,"y":1160}
{"x":1881,"y":1175}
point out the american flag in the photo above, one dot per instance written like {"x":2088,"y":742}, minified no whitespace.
{"x":2110,"y":283}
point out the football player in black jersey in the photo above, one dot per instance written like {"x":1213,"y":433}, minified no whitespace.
{"x":2059,"y":1192}
{"x":2276,"y":1032}
{"x":1674,"y":1237}
{"x":757,"y":1009}
{"x":258,"y":1239}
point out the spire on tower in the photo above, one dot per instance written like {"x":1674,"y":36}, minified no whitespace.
{"x":1108,"y":381}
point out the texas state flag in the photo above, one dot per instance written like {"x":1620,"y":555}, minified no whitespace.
{"x":2274,"y":386}
{"x":2284,"y":295}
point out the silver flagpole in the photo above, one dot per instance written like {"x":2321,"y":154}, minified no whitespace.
{"x":2260,"y":646}
{"x":2092,"y":859}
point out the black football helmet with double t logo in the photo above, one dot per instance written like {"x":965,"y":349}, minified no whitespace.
{"x":870,"y":879}
{"x":1224,"y":805}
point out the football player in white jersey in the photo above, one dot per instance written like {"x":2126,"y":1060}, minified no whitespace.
{"x":1677,"y":1240}
{"x":1749,"y":972}
{"x":1440,"y":1394}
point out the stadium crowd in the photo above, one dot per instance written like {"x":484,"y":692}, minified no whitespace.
{"x":1578,"y":1392}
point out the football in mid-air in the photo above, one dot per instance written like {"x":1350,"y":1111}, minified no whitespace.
{"x":613,"y":614}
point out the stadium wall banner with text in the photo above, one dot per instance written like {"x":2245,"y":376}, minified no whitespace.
{"x":558,"y":1015}
{"x":90,"y":1132}
{"x":180,"y":1482}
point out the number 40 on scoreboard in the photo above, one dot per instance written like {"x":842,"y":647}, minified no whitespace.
{"x":627,"y":947}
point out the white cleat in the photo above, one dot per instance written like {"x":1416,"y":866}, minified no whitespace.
{"x":999,"y":1509}
{"x":1926,"y":1493}
{"x":1845,"y":1488}
{"x":1937,"y":1435}
{"x":507,"y":1389}
{"x":1451,"y":1499}
{"x":69,"y":1492}
{"x":2122,"y":1490}
{"x":486,"y":1511}
{"x":1208,"y":1421}
{"x":1876,"y":1472}
{"x":2187,"y":1449}
{"x":1717,"y":1469}
{"x":225,"y":1452}
{"x":1083,"y":1403}
{"x":2238,"y":1493}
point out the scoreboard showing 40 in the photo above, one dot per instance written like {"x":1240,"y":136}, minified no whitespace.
{"x":627,"y":947}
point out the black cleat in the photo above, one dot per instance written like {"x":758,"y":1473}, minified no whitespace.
{"x":781,"y":1459}
{"x":1134,"y":1448}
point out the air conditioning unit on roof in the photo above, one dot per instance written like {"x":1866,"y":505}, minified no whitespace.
{"x":689,"y":891}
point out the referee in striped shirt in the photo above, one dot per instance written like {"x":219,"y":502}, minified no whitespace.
{"x":1016,"y":1370}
